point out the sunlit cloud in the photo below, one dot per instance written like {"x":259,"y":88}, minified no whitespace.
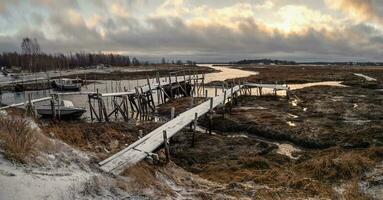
{"x":359,"y":10}
{"x":336,"y":29}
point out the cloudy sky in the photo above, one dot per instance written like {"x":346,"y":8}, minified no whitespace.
{"x":202,"y":30}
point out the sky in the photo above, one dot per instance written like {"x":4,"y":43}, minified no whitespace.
{"x":200,"y":30}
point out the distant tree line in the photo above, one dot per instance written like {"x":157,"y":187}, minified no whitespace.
{"x":177,"y":62}
{"x":42,"y":62}
{"x":285,"y":62}
{"x":266,"y":62}
{"x":33,"y":59}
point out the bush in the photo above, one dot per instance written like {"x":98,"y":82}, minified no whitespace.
{"x":18,"y":138}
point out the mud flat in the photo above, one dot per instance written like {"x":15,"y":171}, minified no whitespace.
{"x":333,"y":137}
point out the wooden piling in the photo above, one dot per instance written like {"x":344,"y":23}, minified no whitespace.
{"x":194,"y":128}
{"x":211,"y":112}
{"x":172,"y":112}
{"x":166,"y":144}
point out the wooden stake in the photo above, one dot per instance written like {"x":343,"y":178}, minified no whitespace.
{"x":166,"y":144}
{"x":172,"y":112}
{"x":211,"y":115}
{"x":194,"y":128}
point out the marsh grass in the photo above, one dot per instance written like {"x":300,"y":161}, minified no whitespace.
{"x":18,"y":138}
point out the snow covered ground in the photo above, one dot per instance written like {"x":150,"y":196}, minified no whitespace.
{"x":58,"y":171}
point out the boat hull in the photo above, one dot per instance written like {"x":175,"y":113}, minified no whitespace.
{"x":65,"y":112}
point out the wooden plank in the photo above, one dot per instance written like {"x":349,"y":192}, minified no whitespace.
{"x":141,"y":148}
{"x":23,"y":103}
{"x":271,"y":86}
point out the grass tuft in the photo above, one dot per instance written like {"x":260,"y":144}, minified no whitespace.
{"x":18,"y":138}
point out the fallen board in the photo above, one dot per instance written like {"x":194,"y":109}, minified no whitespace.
{"x":144,"y":146}
{"x":271,"y":86}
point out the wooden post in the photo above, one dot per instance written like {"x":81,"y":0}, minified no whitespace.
{"x":231,"y":97}
{"x":158,"y":90}
{"x":140,"y":133}
{"x":206,"y":94}
{"x":151,"y":94}
{"x":191,"y":101}
{"x":53,"y":108}
{"x":211,"y":115}
{"x":224,"y":104}
{"x":194,"y":128}
{"x":215,"y":91}
{"x":172,"y":112}
{"x":29,"y":106}
{"x":203,"y":82}
{"x":166,"y":144}
{"x":138,"y":95}
{"x":171,"y":87}
{"x":58,"y":107}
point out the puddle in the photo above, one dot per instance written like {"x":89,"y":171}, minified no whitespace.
{"x":244,"y":108}
{"x":294,"y":102}
{"x":238,"y":136}
{"x":337,"y":98}
{"x":292,"y":124}
{"x":324,"y":83}
{"x":356,"y":121}
{"x":293,"y":116}
{"x":368,"y":78}
{"x":287,"y":150}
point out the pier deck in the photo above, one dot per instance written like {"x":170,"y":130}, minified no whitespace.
{"x":143,"y":147}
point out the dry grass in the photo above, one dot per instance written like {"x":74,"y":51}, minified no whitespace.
{"x":336,"y":166}
{"x":100,"y":138}
{"x":18,"y":138}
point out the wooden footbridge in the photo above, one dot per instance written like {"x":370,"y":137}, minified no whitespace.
{"x":141,"y":100}
{"x":146,"y":145}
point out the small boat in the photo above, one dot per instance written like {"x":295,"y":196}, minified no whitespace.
{"x":66,"y":84}
{"x":65,"y":110}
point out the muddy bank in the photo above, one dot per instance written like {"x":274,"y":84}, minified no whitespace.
{"x":142,"y":72}
{"x":307,"y":74}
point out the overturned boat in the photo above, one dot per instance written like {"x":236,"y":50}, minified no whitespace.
{"x":67,"y":84}
{"x":66,"y":109}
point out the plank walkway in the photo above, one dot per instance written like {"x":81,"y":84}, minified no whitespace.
{"x":144,"y":146}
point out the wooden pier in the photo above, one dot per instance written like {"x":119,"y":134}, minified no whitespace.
{"x":146,"y":145}
{"x":141,"y":99}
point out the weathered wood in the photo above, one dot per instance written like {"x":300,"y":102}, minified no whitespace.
{"x":139,"y":149}
{"x":166,"y":144}
{"x":194,"y":128}
{"x":172,"y":112}
{"x":26,"y":102}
